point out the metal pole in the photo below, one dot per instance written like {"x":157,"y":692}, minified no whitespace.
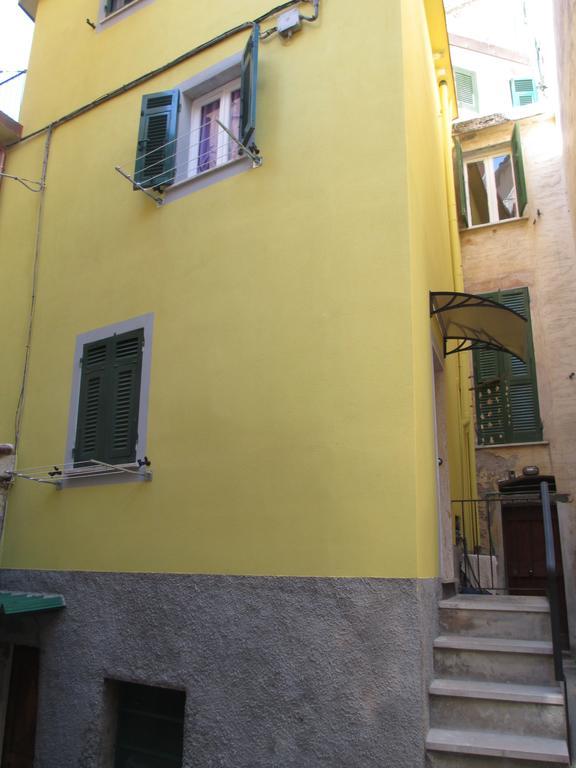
{"x":552,"y":580}
{"x":490,"y":544}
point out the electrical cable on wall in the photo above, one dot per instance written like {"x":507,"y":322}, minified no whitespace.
{"x":37,"y":241}
{"x":165,"y":67}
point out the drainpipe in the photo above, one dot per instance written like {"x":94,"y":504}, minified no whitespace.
{"x":457,"y":275}
{"x":466,"y":478}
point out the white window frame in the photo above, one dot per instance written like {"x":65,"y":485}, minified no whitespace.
{"x":487,"y":157}
{"x":225,"y":151}
{"x":220,"y":76}
{"x":109,"y":19}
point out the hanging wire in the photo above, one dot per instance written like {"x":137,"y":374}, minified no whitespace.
{"x":189,"y":155}
{"x":13,"y":77}
{"x":37,"y":185}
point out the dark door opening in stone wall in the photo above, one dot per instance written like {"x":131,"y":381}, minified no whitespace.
{"x":525,"y":554}
{"x":20,"y":725}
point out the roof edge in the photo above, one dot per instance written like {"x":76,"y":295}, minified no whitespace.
{"x":29,"y":7}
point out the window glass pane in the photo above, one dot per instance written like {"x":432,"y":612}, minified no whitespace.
{"x":478,"y":192}
{"x":208,"y":139}
{"x":234,"y":121}
{"x":505,"y":192}
{"x":150,"y":727}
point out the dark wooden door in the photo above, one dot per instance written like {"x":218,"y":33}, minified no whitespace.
{"x":525,"y":554}
{"x":20,"y":728}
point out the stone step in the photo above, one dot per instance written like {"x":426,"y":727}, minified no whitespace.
{"x":531,"y":750}
{"x":497,"y":660}
{"x":496,"y":616}
{"x":502,"y":707}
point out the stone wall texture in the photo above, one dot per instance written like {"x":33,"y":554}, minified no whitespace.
{"x":537,"y":252}
{"x":278,"y":672}
{"x":565,"y":25}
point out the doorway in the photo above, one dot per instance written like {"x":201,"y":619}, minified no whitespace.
{"x":20,"y":725}
{"x":525,"y":552}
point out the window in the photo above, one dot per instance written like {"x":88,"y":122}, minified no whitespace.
{"x":210,"y":145}
{"x":491,"y":183}
{"x":149,"y":727}
{"x":506,"y":389}
{"x":108,"y":408}
{"x":524,"y":91}
{"x":109,"y":398}
{"x":188,"y":131}
{"x":115,"y":5}
{"x":466,"y":89}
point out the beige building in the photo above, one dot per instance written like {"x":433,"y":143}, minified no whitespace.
{"x":518,"y":248}
{"x":565,"y":27}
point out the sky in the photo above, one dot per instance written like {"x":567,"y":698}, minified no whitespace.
{"x":16,"y":31}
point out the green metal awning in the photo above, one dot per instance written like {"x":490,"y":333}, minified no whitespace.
{"x":477,"y":322}
{"x":29,"y":602}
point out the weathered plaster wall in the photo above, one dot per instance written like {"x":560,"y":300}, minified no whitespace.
{"x":277,"y":671}
{"x":537,"y":252}
{"x":565,"y":23}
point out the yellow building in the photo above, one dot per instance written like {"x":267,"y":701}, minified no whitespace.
{"x":236,"y":434}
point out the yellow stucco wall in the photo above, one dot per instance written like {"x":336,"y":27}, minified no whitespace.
{"x":290,"y":418}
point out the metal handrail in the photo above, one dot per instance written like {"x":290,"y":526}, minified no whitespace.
{"x":554,"y":600}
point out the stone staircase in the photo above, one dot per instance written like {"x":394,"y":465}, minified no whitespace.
{"x":494,"y":702}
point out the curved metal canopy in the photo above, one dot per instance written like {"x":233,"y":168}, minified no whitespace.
{"x":476,"y":322}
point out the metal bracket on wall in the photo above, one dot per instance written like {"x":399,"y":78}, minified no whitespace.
{"x":32,"y":186}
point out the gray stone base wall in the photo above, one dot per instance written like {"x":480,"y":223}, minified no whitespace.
{"x":278,"y":672}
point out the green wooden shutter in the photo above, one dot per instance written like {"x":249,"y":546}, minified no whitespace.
{"x":506,"y":389}
{"x":517,"y":159}
{"x":91,"y":424}
{"x":107,"y":428}
{"x":524,"y":91}
{"x":458,"y":162}
{"x":248,"y":87}
{"x":125,"y":375}
{"x":524,"y":413}
{"x":491,"y":404}
{"x":156,"y":151}
{"x":466,"y":89}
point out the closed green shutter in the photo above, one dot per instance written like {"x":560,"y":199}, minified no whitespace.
{"x":460,"y":184}
{"x":156,"y":152}
{"x":91,"y":425}
{"x":248,"y":87}
{"x":525,"y":424}
{"x":125,"y":396}
{"x":518,"y":161}
{"x":506,"y":389}
{"x":524,"y":91}
{"x":466,"y":89}
{"x":107,"y":428}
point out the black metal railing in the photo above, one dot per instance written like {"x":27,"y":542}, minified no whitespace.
{"x":473,"y":525}
{"x":554,"y":600}
{"x":475,"y":537}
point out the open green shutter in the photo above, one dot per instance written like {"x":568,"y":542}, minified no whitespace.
{"x":125,"y":376}
{"x":506,"y":388}
{"x":466,"y":89}
{"x":518,"y":161}
{"x":458,"y":162}
{"x":92,"y":407}
{"x":524,"y":413}
{"x":248,"y":87}
{"x":156,"y":151}
{"x":491,"y":404}
{"x":524,"y":91}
